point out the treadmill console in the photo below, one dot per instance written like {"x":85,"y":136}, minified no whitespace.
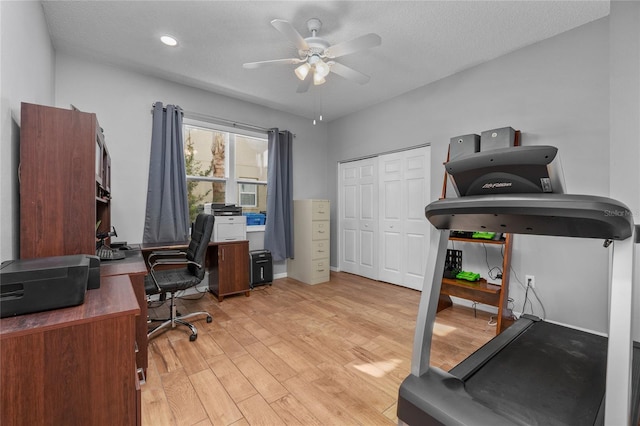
{"x":513,"y":170}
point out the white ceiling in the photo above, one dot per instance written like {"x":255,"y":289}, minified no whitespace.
{"x":422,"y":41}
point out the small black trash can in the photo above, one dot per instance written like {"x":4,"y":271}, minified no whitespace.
{"x":261,"y":265}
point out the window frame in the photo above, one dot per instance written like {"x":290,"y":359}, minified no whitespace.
{"x":254,"y":193}
{"x":231,"y":182}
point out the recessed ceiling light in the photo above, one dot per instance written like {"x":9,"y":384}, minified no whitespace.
{"x":168,"y":40}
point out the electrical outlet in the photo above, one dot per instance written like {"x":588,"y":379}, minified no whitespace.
{"x":530,"y":280}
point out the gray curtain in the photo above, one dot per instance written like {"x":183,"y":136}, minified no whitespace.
{"x":278,"y":234}
{"x":167,"y":215}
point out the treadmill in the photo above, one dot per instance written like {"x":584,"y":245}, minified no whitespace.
{"x":535,"y":372}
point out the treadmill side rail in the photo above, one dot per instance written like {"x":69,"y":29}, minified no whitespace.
{"x":618,"y":408}
{"x":429,"y":303}
{"x":438,"y":398}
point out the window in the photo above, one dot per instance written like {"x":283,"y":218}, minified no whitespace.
{"x":224,"y":167}
{"x":248,"y":195}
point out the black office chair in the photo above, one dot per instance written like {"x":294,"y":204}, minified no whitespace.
{"x":170,"y":281}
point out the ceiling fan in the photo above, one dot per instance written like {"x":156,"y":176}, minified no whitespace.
{"x":316,"y":55}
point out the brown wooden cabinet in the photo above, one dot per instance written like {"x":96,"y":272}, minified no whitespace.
{"x":65,"y":182}
{"x":133,"y":266}
{"x":73,"y":366}
{"x":229,"y":269}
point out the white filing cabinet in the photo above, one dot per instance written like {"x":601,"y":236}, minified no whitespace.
{"x":311,"y":241}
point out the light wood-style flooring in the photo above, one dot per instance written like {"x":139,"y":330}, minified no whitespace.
{"x":330,"y":354}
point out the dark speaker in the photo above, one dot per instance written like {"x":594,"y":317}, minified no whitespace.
{"x":497,"y":138}
{"x":463,"y":145}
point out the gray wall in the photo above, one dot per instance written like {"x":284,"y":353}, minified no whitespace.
{"x":122,"y":101}
{"x":27,"y":72}
{"x":556,"y":92}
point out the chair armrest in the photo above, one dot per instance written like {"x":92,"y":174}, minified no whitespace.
{"x":169,"y":262}
{"x":165,"y":253}
{"x":174,"y":262}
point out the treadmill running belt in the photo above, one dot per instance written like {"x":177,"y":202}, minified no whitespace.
{"x":563,"y":382}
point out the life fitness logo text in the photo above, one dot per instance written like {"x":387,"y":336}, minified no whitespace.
{"x":496,"y":185}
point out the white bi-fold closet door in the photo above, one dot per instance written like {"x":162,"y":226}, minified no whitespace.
{"x":383,"y":233}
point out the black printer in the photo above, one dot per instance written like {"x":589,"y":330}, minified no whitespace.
{"x":42,"y":284}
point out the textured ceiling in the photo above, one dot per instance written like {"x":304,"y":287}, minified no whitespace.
{"x":422,"y":41}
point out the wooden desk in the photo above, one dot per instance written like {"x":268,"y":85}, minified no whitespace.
{"x":73,"y":365}
{"x":227,"y":263}
{"x":134,"y":266}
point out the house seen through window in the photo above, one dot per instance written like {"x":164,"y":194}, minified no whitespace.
{"x":225,"y":167}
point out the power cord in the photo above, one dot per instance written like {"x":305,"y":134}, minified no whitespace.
{"x":492,"y":270}
{"x":526,"y":297}
{"x":533,"y":291}
{"x":474,"y":305}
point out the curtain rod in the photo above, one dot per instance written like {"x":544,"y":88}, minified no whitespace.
{"x":223,"y":121}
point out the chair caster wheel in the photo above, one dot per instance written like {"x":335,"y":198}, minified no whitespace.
{"x":209,"y":319}
{"x":193,"y":337}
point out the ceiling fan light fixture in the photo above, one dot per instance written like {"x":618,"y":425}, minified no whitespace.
{"x":318,"y":79}
{"x":322,"y":68}
{"x":316,"y":55}
{"x":302,"y":71}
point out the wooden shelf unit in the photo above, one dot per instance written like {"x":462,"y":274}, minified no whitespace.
{"x":481,"y":291}
{"x":65,"y":182}
{"x":65,"y":200}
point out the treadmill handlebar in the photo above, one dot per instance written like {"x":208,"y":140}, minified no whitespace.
{"x":568,"y":215}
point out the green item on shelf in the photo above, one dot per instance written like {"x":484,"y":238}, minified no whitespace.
{"x":468,"y":276}
{"x":484,"y":235}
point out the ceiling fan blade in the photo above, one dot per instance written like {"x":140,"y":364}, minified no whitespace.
{"x":291,"y":33}
{"x":359,"y":43}
{"x":304,"y":85}
{"x":349,"y":73}
{"x":251,"y":65}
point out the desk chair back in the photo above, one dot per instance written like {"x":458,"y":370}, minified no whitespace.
{"x":200,"y":237}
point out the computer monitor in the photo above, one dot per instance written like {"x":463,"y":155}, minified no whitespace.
{"x":513,"y":170}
